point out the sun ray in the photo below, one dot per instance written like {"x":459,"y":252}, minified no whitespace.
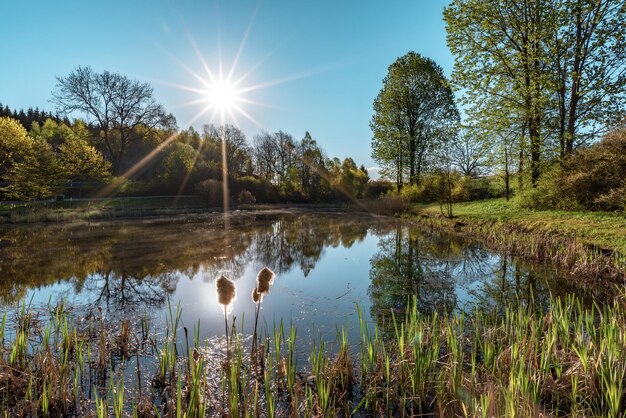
{"x":202,"y":60}
{"x":247,"y":116}
{"x":256,"y":66}
{"x":242,"y":44}
{"x":110,"y":188}
{"x":189,"y":70}
{"x":282,"y":80}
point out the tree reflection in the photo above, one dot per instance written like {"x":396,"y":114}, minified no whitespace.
{"x":136,"y":265}
{"x":403,"y":269}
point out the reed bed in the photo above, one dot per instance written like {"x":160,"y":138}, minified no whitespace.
{"x":566,"y":361}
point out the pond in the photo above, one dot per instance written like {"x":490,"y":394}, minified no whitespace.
{"x":325,"y":264}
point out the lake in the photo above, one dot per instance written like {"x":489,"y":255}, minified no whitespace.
{"x":325,"y":264}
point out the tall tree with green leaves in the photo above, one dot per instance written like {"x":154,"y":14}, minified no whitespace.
{"x":414,"y":111}
{"x":554,"y":68}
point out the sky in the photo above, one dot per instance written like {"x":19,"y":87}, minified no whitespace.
{"x":310,"y":65}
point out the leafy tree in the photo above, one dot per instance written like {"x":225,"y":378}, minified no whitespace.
{"x":553,"y":69}
{"x":177,"y":165}
{"x":15,"y":145}
{"x":78,"y":161}
{"x":312,"y":172}
{"x":117,"y":105}
{"x":28,"y":166}
{"x":412,"y":113}
{"x":352,"y":180}
{"x":587,"y":54}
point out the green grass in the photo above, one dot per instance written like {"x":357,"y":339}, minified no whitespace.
{"x":602,"y":229}
{"x":595,"y":233}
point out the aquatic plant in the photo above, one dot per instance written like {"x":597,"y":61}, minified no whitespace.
{"x":226,"y":292}
{"x":264,"y":280}
{"x":567,"y":360}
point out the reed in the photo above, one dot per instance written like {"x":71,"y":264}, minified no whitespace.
{"x":566,"y":361}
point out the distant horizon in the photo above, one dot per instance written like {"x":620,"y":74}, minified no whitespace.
{"x":323,"y":64}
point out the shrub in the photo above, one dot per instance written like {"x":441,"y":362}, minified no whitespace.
{"x":260,"y":188}
{"x":245,"y":197}
{"x":592,"y":179}
{"x":390,"y":204}
{"x":211,"y":189}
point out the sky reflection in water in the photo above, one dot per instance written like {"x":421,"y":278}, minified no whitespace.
{"x":324,"y":263}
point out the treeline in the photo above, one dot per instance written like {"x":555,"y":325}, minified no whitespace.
{"x":57,"y":156}
{"x":29,"y":116}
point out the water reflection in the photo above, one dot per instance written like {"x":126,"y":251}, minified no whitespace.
{"x":403,"y":267}
{"x":327,"y":263}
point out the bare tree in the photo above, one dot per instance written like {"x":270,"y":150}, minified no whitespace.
{"x":469,"y":152}
{"x":122,"y":110}
{"x":265,"y":155}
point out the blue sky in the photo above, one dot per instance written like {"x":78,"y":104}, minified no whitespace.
{"x":323,"y":61}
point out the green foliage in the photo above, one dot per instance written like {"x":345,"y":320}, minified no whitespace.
{"x":261,"y":189}
{"x":29,"y":166}
{"x":78,"y":160}
{"x":177,"y":165}
{"x":212,"y":190}
{"x":413,"y":112}
{"x":592,"y":179}
{"x":549,"y":73}
{"x":352,"y":181}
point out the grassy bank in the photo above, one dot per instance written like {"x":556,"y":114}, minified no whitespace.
{"x":590,"y":244}
{"x":84,"y":209}
{"x":141,"y":207}
{"x":568,"y":361}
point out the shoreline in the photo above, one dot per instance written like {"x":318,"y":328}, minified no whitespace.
{"x":535,"y":236}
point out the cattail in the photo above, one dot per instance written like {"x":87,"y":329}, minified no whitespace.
{"x":264,"y":280}
{"x":226,"y":293}
{"x":257,"y":296}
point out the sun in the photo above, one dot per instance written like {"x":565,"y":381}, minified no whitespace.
{"x":222,"y":96}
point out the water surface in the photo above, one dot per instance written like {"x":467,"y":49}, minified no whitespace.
{"x":326,"y":264}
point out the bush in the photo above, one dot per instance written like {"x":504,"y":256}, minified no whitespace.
{"x":211,"y":189}
{"x":245,"y":198}
{"x":261,"y":189}
{"x":389,"y":204}
{"x":592,"y":179}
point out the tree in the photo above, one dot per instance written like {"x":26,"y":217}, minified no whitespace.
{"x":588,"y":52}
{"x":554,"y":69}
{"x":469,"y":151}
{"x":237,"y":149}
{"x":412,"y":113}
{"x":115,"y":104}
{"x":78,"y":161}
{"x":264,"y":151}
{"x":28,"y":166}
{"x":312,"y":172}
{"x":15,"y":145}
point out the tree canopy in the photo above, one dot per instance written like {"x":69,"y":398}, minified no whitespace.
{"x":553,"y":69}
{"x":413,"y":112}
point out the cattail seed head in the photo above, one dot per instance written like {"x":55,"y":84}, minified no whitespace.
{"x":264,"y":280}
{"x":226,"y":291}
{"x":256,"y":296}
